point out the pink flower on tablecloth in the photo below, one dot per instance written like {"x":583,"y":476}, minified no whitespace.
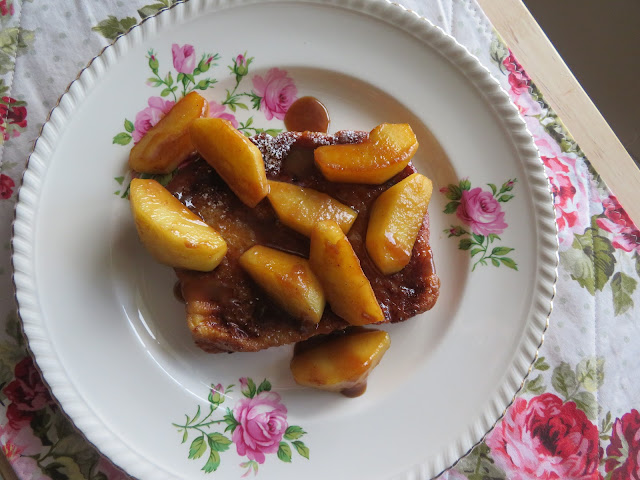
{"x":6,"y":186}
{"x":147,"y":118}
{"x":518,"y":78}
{"x":217,"y":110}
{"x":27,"y":394}
{"x":623,"y":452}
{"x":546,"y":439}
{"x":6,"y":8}
{"x":626,"y":235}
{"x":18,"y":445}
{"x":184,"y":58}
{"x":481,"y":211}
{"x":570,"y":186}
{"x":277,"y":92}
{"x":262,"y":421}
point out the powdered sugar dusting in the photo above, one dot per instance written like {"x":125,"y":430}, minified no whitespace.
{"x":275,"y":149}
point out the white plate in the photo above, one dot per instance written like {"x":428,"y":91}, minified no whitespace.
{"x":111,"y":340}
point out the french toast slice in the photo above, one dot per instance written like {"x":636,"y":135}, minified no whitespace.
{"x":226,"y":311}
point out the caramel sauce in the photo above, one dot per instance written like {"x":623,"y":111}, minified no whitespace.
{"x":354,"y":391}
{"x":307,"y":114}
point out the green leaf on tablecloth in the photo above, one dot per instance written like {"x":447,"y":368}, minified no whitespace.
{"x":67,"y":468}
{"x":590,"y":373}
{"x":587,"y":402}
{"x":40,"y":423}
{"x":14,"y":41}
{"x":479,"y":465}
{"x":598,"y":251}
{"x":111,"y":27}
{"x":564,"y":380}
{"x":13,"y":328}
{"x":535,"y":386}
{"x":498,"y":51}
{"x":605,"y":427}
{"x":541,"y":364}
{"x":76,"y":447}
{"x":622,"y":287}
{"x":152,"y":9}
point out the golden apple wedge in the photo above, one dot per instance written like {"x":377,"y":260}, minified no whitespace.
{"x":395,"y":220}
{"x":385,"y":153}
{"x":233,"y":156}
{"x":339,"y":362}
{"x":345,"y":285}
{"x":168,"y":143}
{"x":301,"y":208}
{"x":172,"y":233}
{"x":288,"y":279}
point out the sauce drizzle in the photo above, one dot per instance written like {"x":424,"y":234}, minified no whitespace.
{"x":307,"y":114}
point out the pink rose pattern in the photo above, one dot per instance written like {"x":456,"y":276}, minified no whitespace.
{"x":184,"y":58}
{"x":277,"y":92}
{"x":262,"y":421}
{"x":258,"y":425}
{"x":147,"y":118}
{"x":481,"y":213}
{"x":219,"y":111}
{"x":546,"y":439}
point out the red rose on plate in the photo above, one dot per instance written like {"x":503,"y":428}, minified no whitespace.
{"x":623,"y":453}
{"x":546,"y":439}
{"x":6,"y":186}
{"x":27,"y":393}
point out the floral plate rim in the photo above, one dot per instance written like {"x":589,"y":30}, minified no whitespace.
{"x":391,"y":13}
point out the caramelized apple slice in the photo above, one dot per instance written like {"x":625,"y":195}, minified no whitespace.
{"x":345,"y":285}
{"x":396,"y":217}
{"x":301,"y":208}
{"x":287,"y":279}
{"x":233,"y":156}
{"x":171,"y":232}
{"x":339,"y":362}
{"x":388,"y":150}
{"x":167,"y":144}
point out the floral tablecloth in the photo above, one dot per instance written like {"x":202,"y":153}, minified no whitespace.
{"x":577,"y":416}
